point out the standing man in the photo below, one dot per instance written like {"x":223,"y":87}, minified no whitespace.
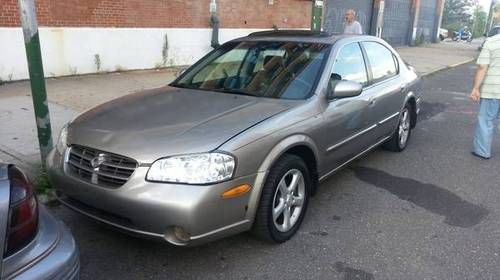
{"x":351,"y":26}
{"x":486,"y":91}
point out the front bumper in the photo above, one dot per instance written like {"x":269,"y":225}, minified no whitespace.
{"x":154,"y":210}
{"x":52,"y":254}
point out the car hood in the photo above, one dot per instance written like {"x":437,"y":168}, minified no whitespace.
{"x":169,"y":121}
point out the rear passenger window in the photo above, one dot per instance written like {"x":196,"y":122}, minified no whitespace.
{"x":350,"y":65}
{"x":382,"y":61}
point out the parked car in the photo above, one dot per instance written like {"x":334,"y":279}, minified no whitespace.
{"x":34,"y":245}
{"x":495,"y":30}
{"x":240,"y":140}
{"x":443,"y":34}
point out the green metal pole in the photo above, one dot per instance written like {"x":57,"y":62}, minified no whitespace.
{"x":37,"y":79}
{"x":317,"y":14}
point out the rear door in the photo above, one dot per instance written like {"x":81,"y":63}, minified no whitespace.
{"x":386,"y":90}
{"x":347,"y":130}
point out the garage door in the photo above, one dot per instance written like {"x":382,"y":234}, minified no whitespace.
{"x":397,"y":21}
{"x":427,"y":20}
{"x":335,"y":11}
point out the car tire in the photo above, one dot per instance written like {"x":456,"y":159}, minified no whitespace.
{"x":282,"y":207}
{"x":400,"y":138}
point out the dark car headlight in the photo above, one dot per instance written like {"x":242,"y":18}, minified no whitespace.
{"x":62,"y":140}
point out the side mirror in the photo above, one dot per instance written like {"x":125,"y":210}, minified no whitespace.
{"x":342,"y":89}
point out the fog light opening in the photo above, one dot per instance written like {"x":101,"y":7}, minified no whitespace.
{"x":181,"y":234}
{"x":177,"y":236}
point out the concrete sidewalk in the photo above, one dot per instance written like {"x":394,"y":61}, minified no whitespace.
{"x":69,"y":96}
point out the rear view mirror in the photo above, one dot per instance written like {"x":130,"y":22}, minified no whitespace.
{"x":342,"y":89}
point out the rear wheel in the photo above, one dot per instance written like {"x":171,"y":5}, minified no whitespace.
{"x":284,"y":200}
{"x":399,"y":140}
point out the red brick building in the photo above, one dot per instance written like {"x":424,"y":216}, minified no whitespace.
{"x":88,"y":36}
{"x":163,"y":13}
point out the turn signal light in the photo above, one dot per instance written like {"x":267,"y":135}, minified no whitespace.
{"x":236,"y":191}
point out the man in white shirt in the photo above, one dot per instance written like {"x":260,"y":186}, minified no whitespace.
{"x":352,"y":26}
{"x":486,"y":91}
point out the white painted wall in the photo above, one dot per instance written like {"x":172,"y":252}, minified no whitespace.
{"x":70,"y":51}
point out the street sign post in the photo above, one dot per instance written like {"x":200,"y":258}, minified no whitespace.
{"x":317,"y":14}
{"x":37,"y":79}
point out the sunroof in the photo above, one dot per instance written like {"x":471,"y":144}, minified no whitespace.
{"x":302,"y":33}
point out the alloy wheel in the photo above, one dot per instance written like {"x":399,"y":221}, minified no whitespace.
{"x":288,"y":200}
{"x":404,"y":127}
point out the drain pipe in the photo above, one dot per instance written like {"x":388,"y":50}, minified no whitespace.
{"x":214,"y":23}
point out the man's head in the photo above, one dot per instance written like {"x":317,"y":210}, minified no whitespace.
{"x":350,"y":15}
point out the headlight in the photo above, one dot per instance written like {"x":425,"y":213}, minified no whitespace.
{"x":193,"y":169}
{"x":61,"y":142}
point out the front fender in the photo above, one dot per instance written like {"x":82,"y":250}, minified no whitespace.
{"x":272,"y":157}
{"x":286,"y":144}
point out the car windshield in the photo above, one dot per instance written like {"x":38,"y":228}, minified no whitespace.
{"x":284,"y":70}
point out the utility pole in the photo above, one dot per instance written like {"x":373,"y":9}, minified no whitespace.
{"x":317,"y":14}
{"x":415,"y":14}
{"x":27,"y":12}
{"x":474,"y":17}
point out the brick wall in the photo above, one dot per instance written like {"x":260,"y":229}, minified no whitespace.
{"x":162,"y":13}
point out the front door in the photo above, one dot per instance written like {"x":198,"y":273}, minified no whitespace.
{"x":348,"y":131}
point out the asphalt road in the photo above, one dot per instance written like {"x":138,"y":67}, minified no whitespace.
{"x":431,"y":212}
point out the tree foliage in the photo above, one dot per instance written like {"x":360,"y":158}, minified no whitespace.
{"x":457,"y":12}
{"x":480,"y":21}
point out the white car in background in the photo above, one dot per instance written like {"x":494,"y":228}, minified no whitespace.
{"x":443,"y":33}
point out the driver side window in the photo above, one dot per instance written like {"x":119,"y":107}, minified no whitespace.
{"x":350,"y":65}
{"x":223,"y":67}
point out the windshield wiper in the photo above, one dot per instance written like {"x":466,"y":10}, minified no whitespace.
{"x":181,"y":86}
{"x":223,"y":90}
{"x":235,"y":91}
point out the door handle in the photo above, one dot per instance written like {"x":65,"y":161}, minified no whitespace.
{"x":372,"y":101}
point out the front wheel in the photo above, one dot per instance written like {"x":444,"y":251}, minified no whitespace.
{"x":399,"y":140}
{"x":284,"y":200}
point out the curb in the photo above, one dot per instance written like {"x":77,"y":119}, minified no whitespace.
{"x":447,"y":67}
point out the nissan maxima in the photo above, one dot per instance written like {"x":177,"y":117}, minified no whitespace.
{"x":240,"y":140}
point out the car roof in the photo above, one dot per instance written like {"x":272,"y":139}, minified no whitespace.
{"x":306,"y":36}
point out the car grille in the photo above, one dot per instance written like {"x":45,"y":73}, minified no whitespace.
{"x":99,"y":168}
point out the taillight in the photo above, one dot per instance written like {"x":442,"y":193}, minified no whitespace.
{"x":23,"y":212}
